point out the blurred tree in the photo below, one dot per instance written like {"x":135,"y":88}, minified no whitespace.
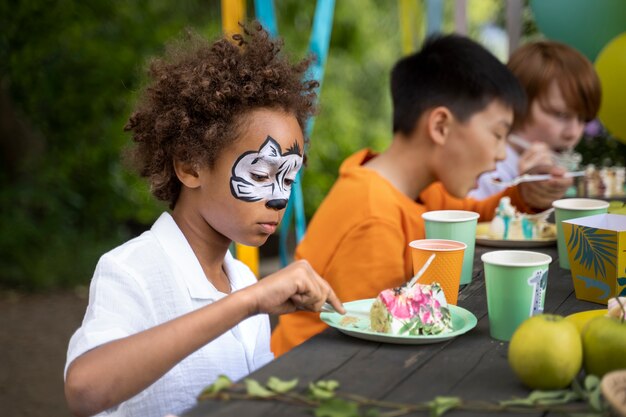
{"x":67,"y":74}
{"x":602,"y":150}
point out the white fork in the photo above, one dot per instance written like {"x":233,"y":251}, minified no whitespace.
{"x":534,"y":177}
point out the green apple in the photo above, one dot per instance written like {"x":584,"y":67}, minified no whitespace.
{"x":604,"y":345}
{"x":546,"y":352}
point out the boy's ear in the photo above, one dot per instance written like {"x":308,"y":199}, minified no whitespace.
{"x":439,"y":124}
{"x":187,"y":174}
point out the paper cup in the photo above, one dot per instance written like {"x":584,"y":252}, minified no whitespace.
{"x":516,"y":285}
{"x":445,"y":268}
{"x":573,"y":208}
{"x":457,"y":225}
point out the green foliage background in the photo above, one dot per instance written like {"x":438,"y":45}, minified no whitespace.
{"x":69,"y":72}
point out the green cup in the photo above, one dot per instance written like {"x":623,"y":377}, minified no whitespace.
{"x":573,"y":208}
{"x":516,"y":288}
{"x":459,"y":225}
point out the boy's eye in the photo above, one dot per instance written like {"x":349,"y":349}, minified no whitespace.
{"x":561,"y":115}
{"x":258,"y":177}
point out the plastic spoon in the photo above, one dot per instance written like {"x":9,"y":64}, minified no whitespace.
{"x":421,"y":271}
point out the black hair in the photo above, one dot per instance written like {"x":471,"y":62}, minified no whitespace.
{"x":455,"y":72}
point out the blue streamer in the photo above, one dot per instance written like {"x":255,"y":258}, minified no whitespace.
{"x":266,"y":15}
{"x":434,"y":16}
{"x":319,"y":44}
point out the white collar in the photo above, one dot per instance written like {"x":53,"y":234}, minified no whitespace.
{"x":176,"y":246}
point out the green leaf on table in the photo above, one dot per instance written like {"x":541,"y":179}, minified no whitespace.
{"x":592,"y":382}
{"x":221,"y":383}
{"x":257,"y":390}
{"x":330,"y":384}
{"x":372,"y":412}
{"x":594,"y":394}
{"x":565,"y":398}
{"x":337,"y":407}
{"x":524,"y":402}
{"x":441,"y":405}
{"x":323,"y":390}
{"x":540,"y":397}
{"x":280,"y":386}
{"x":595,"y":401}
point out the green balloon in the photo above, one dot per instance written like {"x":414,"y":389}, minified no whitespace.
{"x":587,"y":25}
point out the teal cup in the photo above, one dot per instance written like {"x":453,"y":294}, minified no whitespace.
{"x":573,"y":208}
{"x":459,"y":225}
{"x":516,"y":287}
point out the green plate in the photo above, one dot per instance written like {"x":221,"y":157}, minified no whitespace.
{"x":356,"y":323}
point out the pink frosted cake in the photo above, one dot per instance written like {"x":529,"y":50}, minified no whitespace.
{"x":415,"y":311}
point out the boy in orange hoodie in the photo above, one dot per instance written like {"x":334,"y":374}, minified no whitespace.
{"x":453,"y":107}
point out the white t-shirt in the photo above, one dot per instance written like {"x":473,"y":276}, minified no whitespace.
{"x":155,"y":278}
{"x":506,"y":170}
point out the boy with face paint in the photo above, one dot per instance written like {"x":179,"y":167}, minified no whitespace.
{"x":219,"y":135}
{"x":453,"y":107}
{"x":563,"y":92}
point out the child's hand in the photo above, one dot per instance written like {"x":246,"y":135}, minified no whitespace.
{"x":540,"y":194}
{"x":538,"y":154}
{"x":296,"y":287}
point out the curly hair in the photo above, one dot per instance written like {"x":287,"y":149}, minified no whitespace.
{"x":197,"y":98}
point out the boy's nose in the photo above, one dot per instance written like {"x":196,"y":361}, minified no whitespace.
{"x":501,"y":151}
{"x":276,"y":204}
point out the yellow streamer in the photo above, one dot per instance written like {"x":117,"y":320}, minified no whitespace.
{"x":249,"y":255}
{"x":233,"y":12}
{"x":410,"y":22}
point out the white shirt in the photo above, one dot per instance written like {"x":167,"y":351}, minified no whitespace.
{"x":155,"y":278}
{"x":506,"y":170}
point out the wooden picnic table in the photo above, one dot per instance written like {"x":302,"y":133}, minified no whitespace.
{"x":472,"y":366}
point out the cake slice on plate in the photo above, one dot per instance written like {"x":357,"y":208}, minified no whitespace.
{"x":415,"y":311}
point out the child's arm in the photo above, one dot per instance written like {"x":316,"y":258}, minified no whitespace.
{"x":114,"y":372}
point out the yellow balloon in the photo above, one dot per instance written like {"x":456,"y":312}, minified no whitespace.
{"x":611,"y":68}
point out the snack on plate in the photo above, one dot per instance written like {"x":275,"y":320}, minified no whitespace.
{"x":415,"y":311}
{"x":510,"y":224}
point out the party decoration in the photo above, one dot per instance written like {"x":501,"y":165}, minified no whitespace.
{"x":583,"y":24}
{"x":611,"y":69}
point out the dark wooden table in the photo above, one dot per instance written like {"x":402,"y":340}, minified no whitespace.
{"x":473,"y":366}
